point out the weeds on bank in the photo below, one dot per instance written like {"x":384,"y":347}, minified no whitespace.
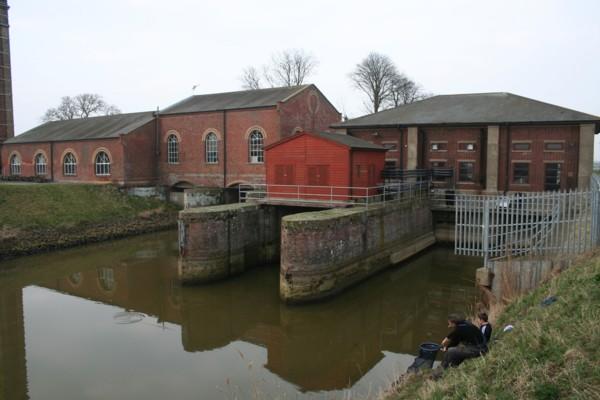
{"x":552,"y":353}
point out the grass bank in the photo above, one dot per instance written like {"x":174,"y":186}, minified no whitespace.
{"x":552,"y":353}
{"x":40,"y":217}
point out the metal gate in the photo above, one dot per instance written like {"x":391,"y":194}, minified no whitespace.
{"x":546,"y":223}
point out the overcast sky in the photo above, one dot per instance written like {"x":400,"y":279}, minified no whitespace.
{"x":140,"y":54}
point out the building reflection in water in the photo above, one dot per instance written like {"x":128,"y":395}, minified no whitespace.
{"x":318,"y":347}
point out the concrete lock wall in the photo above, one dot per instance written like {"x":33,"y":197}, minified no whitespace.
{"x":324,"y":252}
{"x":202,"y":196}
{"x":219,"y":241}
{"x":517,"y":276}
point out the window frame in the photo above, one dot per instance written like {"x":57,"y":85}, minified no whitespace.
{"x":256,"y":142}
{"x":437,"y":143}
{"x":466,"y":142}
{"x":211,"y":148}
{"x":15,"y":167}
{"x":467,"y":181}
{"x":40,"y":168}
{"x":102,"y":167}
{"x":551,"y":142}
{"x":172,"y":149}
{"x":71,"y":165}
{"x":514,"y":174}
{"x":393,"y":145}
{"x":520,"y":142}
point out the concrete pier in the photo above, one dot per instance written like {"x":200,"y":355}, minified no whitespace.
{"x":220,"y":241}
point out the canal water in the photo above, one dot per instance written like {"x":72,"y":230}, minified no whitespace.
{"x":110,"y":321}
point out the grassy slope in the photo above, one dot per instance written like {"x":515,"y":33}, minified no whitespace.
{"x":553,"y":352}
{"x":64,"y":206}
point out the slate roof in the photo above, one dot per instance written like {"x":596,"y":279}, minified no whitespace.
{"x":474,"y":108}
{"x":109,"y":126}
{"x":234,"y":100}
{"x":346,"y":140}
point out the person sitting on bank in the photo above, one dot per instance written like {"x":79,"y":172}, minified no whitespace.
{"x":464,"y":341}
{"x":485,"y":327}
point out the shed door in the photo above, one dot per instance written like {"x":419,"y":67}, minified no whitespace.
{"x":318,"y":175}
{"x":284,"y":175}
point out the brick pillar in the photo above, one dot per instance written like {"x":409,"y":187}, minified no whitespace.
{"x":586,"y":155}
{"x":6,"y":106}
{"x":491,"y":175}
{"x":413,"y":147}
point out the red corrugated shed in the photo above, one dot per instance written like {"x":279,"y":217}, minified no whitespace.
{"x":318,"y":166}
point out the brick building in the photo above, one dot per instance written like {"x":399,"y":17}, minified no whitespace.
{"x":213,"y":140}
{"x":495,"y":142}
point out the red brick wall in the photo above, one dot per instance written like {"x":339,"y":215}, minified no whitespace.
{"x":140,"y":160}
{"x":309,"y":110}
{"x":84,"y":151}
{"x":537,"y":156}
{"x":453,"y":155}
{"x":386,"y":136}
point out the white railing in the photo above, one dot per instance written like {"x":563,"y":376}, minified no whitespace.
{"x":334,"y":196}
{"x":537,"y":224}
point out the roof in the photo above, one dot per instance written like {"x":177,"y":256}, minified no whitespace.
{"x":474,"y":108}
{"x":108,"y":126}
{"x":343,"y":139}
{"x":234,"y":100}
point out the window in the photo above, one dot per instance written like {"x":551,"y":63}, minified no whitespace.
{"x":255,"y":147}
{"x":69,"y":165}
{"x":439,"y":146}
{"x":15,"y":165}
{"x":106,"y":278}
{"x":40,"y":164}
{"x":210,"y":144}
{"x":552,"y":176}
{"x":521,"y":146}
{"x":172,"y":149}
{"x":438,"y":164}
{"x":521,"y":173}
{"x":102,"y":164}
{"x":466,"y":146}
{"x":390,"y":164}
{"x":554,"y":146}
{"x":466,"y":171}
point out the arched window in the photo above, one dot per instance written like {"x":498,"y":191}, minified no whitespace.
{"x":255,"y":147}
{"x":69,"y":165}
{"x":15,"y":165}
{"x":102,"y":164}
{"x":40,"y":164}
{"x":106,"y":278}
{"x":210,"y":144}
{"x":172,"y":149}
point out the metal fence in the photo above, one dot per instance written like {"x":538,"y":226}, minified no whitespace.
{"x":538,"y":224}
{"x":334,"y":196}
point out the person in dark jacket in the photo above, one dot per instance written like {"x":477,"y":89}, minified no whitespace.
{"x":485,"y":327}
{"x":463,"y":342}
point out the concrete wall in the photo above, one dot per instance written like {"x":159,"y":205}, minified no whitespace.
{"x":220,"y":241}
{"x":506,"y":278}
{"x":202,"y":197}
{"x":324,"y":252}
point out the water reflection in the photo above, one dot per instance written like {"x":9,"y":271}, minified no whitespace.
{"x":316,"y":348}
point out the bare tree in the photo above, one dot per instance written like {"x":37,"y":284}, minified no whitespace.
{"x":81,"y":106}
{"x":405,"y":91}
{"x":251,"y":78}
{"x":287,"y":68}
{"x":375,"y":77}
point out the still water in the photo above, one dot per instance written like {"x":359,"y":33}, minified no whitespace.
{"x":110,"y":321}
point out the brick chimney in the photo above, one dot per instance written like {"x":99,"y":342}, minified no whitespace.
{"x":6,"y":106}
